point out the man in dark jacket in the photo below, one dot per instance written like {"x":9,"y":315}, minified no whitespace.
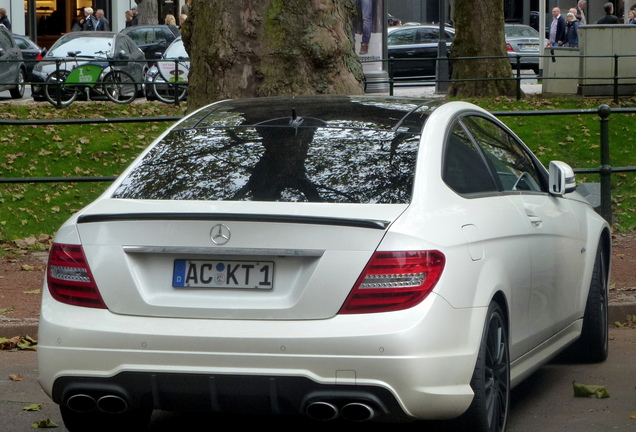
{"x":102,"y":23}
{"x":557,"y":28}
{"x":609,"y":17}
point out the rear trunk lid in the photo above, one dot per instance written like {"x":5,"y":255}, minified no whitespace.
{"x":238,"y":260}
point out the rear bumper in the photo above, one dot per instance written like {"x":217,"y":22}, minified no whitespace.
{"x":396,"y":363}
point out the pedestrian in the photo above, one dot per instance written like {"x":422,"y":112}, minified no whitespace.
{"x":89,"y":20}
{"x":557,"y":28}
{"x":135,"y":14}
{"x":632,"y":17}
{"x":571,"y":31}
{"x":182,"y":19}
{"x":580,"y":12}
{"x":186,"y":9}
{"x":4,"y":19}
{"x":101,"y":23}
{"x":609,"y":17}
{"x":129,"y":16}
{"x":170,"y":20}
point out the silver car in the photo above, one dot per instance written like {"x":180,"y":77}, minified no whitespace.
{"x":522,"y":43}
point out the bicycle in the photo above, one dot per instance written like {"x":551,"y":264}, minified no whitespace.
{"x":63,"y":86}
{"x":170,"y":83}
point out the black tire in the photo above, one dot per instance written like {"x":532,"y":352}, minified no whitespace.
{"x":56,"y":92}
{"x":18,"y":91}
{"x":120,"y":87}
{"x":100,"y":422}
{"x":593,"y":345}
{"x":488,"y":411}
{"x":165,"y":92}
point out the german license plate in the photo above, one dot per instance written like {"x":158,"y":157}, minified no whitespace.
{"x":529,"y":47}
{"x":223,"y":274}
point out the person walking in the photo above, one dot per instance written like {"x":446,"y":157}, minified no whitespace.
{"x":4,"y":19}
{"x":89,"y":20}
{"x":101,"y":23}
{"x":609,"y":17}
{"x":571,"y":31}
{"x":557,"y":28}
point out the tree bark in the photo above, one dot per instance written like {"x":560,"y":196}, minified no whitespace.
{"x":479,"y":32}
{"x":148,"y":11}
{"x":250,"y":48}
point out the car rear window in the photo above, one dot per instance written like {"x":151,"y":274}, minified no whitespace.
{"x":285,"y":159}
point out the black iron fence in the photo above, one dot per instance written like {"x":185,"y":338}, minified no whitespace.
{"x":605,"y":170}
{"x":615,"y":80}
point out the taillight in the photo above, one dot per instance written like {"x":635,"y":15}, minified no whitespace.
{"x":394,"y":281}
{"x":39,"y":56}
{"x":69,"y":278}
{"x":509,"y":48}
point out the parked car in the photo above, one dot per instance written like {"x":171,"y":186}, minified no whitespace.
{"x":12,"y":68}
{"x":152,"y":39}
{"x":96,"y":46}
{"x":523,"y":42}
{"x":31,"y":52}
{"x":155,"y":79}
{"x":413,"y":46}
{"x":362,"y":257}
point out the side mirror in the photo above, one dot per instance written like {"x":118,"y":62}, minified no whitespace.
{"x":122,"y":55}
{"x":562,"y":179}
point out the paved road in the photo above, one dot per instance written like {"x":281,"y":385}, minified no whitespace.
{"x":543,"y":403}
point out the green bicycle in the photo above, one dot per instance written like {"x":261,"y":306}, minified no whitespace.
{"x":63,"y":86}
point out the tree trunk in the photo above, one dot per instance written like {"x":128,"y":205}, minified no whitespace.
{"x":248,"y":48}
{"x":479,"y":32}
{"x":148,"y":11}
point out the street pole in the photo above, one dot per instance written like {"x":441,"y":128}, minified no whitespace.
{"x":442,"y":70}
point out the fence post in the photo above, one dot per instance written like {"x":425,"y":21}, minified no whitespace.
{"x":616,"y":78}
{"x":605,"y":169}
{"x":391,"y":81}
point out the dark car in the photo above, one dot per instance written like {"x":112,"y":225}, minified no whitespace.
{"x":152,"y":39}
{"x":31,"y":52}
{"x":12,"y":69}
{"x":415,"y":49}
{"x":87,"y":47}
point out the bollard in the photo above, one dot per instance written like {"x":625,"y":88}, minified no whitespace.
{"x":605,"y":169}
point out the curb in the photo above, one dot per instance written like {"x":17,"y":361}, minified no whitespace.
{"x":617,"y":313}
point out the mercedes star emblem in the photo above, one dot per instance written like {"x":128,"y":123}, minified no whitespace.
{"x":220,"y":234}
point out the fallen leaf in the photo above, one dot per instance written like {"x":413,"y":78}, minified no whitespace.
{"x":582,"y":390}
{"x":33,"y":407}
{"x":44,"y":424}
{"x":14,"y":377}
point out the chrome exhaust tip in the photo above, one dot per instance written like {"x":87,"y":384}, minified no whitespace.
{"x":112,"y":404}
{"x":322,"y":411}
{"x":81,"y":403}
{"x":357,"y":412}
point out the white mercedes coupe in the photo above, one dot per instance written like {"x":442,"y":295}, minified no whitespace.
{"x":352,"y":257}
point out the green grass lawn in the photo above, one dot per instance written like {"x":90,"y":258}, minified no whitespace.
{"x":31,"y":209}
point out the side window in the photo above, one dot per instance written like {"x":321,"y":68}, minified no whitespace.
{"x":22,"y":44}
{"x":160,"y":38}
{"x":465,"y":170}
{"x":402,"y":37}
{"x":428,"y":35}
{"x":514,"y":167}
{"x":5,"y":41}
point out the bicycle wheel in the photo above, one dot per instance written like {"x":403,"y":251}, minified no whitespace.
{"x":165,"y":92}
{"x":58,"y":94}
{"x":120,"y":87}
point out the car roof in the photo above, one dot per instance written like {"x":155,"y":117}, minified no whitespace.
{"x":388,"y":113}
